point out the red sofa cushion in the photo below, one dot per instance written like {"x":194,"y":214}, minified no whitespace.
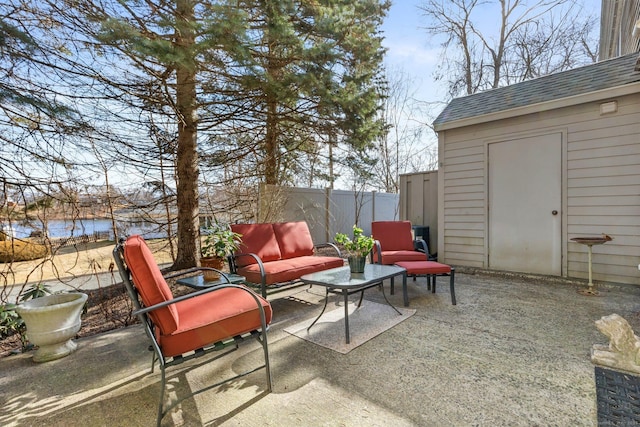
{"x":289,"y":269}
{"x":294,"y":239}
{"x":213,"y":317}
{"x":259,"y":239}
{"x":150,"y":283}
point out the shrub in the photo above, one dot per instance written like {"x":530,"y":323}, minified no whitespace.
{"x":20,"y":250}
{"x":10,"y":321}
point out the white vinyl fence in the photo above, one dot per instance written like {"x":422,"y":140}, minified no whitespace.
{"x":328,"y":211}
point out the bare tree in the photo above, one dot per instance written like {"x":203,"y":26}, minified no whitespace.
{"x":525,"y":40}
{"x":406,"y":146}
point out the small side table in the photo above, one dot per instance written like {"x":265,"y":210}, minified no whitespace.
{"x":198,"y":282}
{"x":589,"y":242}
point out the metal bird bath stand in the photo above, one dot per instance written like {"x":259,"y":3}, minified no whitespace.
{"x":589,"y":242}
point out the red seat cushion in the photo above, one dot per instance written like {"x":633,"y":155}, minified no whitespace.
{"x":213,"y":317}
{"x":424,"y":267}
{"x":294,"y":239}
{"x":150,"y":283}
{"x":393,"y":257}
{"x":258,"y":239}
{"x":289,"y":269}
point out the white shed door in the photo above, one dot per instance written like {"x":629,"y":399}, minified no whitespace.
{"x":525,"y":198}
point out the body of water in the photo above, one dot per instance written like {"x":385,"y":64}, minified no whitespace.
{"x":64,"y":228}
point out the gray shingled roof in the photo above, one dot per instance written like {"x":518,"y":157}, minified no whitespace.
{"x":602,"y":75}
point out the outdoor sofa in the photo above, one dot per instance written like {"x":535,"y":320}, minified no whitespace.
{"x":275,"y":255}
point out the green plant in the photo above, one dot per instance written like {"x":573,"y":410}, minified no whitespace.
{"x":361,"y":245}
{"x":220,"y":241}
{"x":10,"y":321}
{"x":35,"y":291}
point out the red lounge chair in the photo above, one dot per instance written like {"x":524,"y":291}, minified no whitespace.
{"x":394,"y":243}
{"x":192,"y":325}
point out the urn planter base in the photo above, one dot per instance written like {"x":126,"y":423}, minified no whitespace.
{"x":45,"y":353}
{"x":51,"y":322}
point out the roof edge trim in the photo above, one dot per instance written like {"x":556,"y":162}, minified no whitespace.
{"x":569,"y":101}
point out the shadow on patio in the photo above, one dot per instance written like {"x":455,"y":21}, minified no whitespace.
{"x":514,"y":351}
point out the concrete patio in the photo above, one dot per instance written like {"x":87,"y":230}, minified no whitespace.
{"x":514,"y":351}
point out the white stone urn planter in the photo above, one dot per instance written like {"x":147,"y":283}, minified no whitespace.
{"x":52,"y":321}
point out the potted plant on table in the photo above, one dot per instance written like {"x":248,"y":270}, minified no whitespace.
{"x":220,"y":242}
{"x":357,"y":249}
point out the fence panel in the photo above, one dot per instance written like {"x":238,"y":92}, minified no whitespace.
{"x":334,"y":211}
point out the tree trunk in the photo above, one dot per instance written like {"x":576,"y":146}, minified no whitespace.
{"x":187,"y":156}
{"x":271,"y":143}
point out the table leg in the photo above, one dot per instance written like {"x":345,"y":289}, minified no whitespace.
{"x":391,"y":305}
{"x":590,"y":286}
{"x":404,"y":289}
{"x":590,"y":273}
{"x":346,"y":314}
{"x":326,"y":299}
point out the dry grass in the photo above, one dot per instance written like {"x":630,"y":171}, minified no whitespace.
{"x":107,"y":308}
{"x":71,"y":261}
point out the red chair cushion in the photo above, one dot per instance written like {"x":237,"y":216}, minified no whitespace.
{"x":150,"y":283}
{"x":294,"y":239}
{"x":393,"y":257}
{"x":289,"y":269}
{"x":213,"y":317}
{"x":424,"y":267}
{"x":393,"y":235}
{"x":258,"y":239}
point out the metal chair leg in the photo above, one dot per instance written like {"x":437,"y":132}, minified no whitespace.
{"x":451,"y":287}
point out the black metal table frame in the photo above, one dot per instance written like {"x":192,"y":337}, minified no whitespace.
{"x":198,"y":282}
{"x":346,"y":289}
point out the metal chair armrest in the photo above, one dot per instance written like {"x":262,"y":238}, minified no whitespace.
{"x":329,"y":245}
{"x":377,"y":248}
{"x":175,"y":274}
{"x":263,"y":274}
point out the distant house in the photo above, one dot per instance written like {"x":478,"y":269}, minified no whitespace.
{"x":525,"y":168}
{"x":619,"y":28}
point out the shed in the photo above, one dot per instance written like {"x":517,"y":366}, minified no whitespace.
{"x":525,"y":168}
{"x":419,"y":204}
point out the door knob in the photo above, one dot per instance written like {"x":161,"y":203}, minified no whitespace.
{"x":554,"y":212}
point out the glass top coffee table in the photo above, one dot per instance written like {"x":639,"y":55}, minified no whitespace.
{"x":341,"y":281}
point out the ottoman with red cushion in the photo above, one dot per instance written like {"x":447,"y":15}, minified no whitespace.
{"x":431,"y":269}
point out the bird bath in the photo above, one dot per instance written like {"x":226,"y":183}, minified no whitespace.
{"x":589,"y":242}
